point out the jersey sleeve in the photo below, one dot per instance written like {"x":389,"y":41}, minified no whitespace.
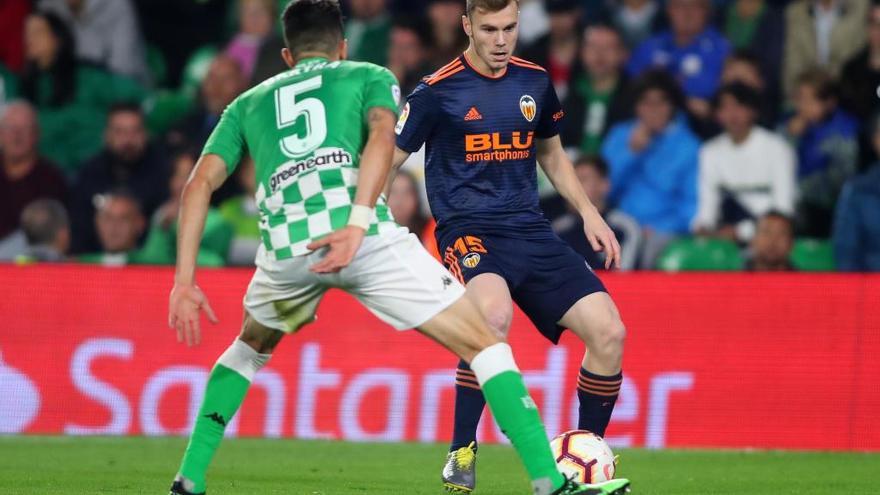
{"x":381,"y":90}
{"x":551,"y":114}
{"x":417,"y":119}
{"x":227,"y":139}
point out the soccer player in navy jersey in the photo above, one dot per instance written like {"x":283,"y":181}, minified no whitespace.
{"x":485,"y":118}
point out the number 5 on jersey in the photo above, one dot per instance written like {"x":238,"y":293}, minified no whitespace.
{"x":288,"y":111}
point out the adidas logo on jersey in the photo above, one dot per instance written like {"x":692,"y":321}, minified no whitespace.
{"x":473,"y":114}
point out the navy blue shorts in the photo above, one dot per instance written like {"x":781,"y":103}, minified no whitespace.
{"x":545,"y":276}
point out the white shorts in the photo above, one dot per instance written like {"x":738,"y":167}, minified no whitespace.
{"x":391,"y":274}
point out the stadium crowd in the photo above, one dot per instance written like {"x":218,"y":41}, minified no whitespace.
{"x":712,"y":134}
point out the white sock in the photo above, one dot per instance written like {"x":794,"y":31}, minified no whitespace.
{"x":493,"y":361}
{"x":243,"y":359}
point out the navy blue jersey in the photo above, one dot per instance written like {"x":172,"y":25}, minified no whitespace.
{"x":480,"y":134}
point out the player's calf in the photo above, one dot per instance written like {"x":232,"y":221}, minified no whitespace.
{"x":596,"y":321}
{"x":227,"y":386}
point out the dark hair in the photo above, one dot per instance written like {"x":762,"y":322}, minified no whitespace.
{"x":118,"y":193}
{"x":62,"y":71}
{"x":743,"y":94}
{"x":595,"y":162}
{"x":418,"y":26}
{"x":744,"y":55}
{"x":607,"y":26}
{"x":487,"y":5}
{"x":312,"y":25}
{"x":125,"y":107}
{"x":781,"y":216}
{"x":660,"y":80}
{"x":41,"y":220}
{"x":821,"y":81}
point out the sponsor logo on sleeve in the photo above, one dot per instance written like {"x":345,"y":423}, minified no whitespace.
{"x":404,"y":114}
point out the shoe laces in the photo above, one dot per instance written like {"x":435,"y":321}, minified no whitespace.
{"x":464,"y":457}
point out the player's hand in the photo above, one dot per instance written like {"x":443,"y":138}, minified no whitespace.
{"x":602,"y":238}
{"x":343,"y":245}
{"x":184,"y":305}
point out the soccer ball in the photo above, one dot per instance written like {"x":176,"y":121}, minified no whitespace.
{"x":584,"y":455}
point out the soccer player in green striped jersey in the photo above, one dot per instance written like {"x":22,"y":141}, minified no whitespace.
{"x":322,"y":138}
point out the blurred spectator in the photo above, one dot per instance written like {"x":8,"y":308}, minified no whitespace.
{"x":222,"y":84}
{"x":826,"y":141}
{"x":757,"y":26}
{"x":195,"y":24}
{"x":160,"y":247}
{"x":857,"y":223}
{"x":12,"y":16}
{"x":823,"y":33}
{"x":745,"y":172}
{"x":120,"y":225}
{"x":241,"y":212}
{"x":860,"y":79}
{"x":405,"y":200}
{"x":538,"y":21}
{"x":770,"y":250}
{"x":47,"y":231}
{"x":653,"y":163}
{"x":405,"y":203}
{"x":743,"y":67}
{"x":107,"y":33}
{"x":408,"y":52}
{"x":637,"y":20}
{"x":692,"y":50}
{"x":24,"y":175}
{"x":557,"y":51}
{"x":449,"y":38}
{"x":128,"y":161}
{"x":72,"y":98}
{"x":8,"y":86}
{"x":256,"y":19}
{"x":368,"y":31}
{"x":596,"y":99}
{"x":592,"y":171}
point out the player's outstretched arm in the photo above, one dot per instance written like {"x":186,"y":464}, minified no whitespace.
{"x":556,"y":164}
{"x":186,"y":298}
{"x":375,"y":166}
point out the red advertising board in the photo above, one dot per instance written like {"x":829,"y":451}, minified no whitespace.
{"x":712,"y":360}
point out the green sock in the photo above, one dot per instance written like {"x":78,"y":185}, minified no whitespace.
{"x":223,"y":396}
{"x":518,"y":417}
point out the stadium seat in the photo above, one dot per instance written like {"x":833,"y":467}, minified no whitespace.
{"x":813,"y":255}
{"x":157,"y":66}
{"x":700,"y":254}
{"x":196,"y":68}
{"x":165,"y":108}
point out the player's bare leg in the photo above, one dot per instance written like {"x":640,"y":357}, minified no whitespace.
{"x":227,"y":385}
{"x":596,"y":321}
{"x":461,"y":329}
{"x":490,"y":294}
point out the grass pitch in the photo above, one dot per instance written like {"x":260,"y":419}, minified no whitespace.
{"x":69,"y":465}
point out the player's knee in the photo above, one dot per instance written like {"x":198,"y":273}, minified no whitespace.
{"x":498,"y":320}
{"x":260,"y":338}
{"x":610,"y":339}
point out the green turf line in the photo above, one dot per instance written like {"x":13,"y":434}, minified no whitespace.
{"x":72,"y":466}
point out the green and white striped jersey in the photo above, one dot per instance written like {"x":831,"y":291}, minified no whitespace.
{"x":306,"y":129}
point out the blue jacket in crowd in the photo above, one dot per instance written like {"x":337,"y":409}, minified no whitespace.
{"x":857,"y":224}
{"x":658,"y":186}
{"x":697,"y":66}
{"x":821,"y":143}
